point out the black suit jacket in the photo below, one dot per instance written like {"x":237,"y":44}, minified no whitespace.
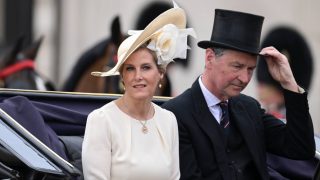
{"x":202,"y":151}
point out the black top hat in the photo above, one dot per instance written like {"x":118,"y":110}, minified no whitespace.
{"x":235,"y":30}
{"x":290,"y":42}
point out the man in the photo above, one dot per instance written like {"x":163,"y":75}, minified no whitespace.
{"x":231,"y":143}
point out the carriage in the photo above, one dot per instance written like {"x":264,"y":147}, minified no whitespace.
{"x":27,"y":116}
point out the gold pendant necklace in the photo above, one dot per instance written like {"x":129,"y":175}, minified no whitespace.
{"x":144,"y":128}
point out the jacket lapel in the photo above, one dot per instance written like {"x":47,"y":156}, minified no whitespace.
{"x":209,"y":125}
{"x":243,"y":121}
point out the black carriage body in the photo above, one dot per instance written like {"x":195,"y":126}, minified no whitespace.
{"x":64,"y":118}
{"x":60,"y":115}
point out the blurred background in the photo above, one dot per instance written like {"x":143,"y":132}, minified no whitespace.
{"x":74,"y":30}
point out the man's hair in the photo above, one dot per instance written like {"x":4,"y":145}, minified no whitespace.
{"x":218,"y":51}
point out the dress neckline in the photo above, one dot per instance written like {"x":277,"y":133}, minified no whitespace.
{"x":127,"y":115}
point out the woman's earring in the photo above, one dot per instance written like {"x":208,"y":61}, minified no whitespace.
{"x":160,"y":83}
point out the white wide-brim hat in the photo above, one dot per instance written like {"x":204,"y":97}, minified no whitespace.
{"x":175,"y":16}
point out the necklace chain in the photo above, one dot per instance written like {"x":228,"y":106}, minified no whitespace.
{"x":144,"y":128}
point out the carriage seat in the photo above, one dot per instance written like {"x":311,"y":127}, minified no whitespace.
{"x":73,"y":148}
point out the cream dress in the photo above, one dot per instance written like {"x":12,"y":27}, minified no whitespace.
{"x":115,"y":148}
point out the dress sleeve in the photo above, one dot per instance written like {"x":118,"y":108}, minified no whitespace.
{"x":96,"y":147}
{"x":175,"y":149}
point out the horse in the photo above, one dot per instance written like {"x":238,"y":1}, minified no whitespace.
{"x":98,"y":58}
{"x":17,"y":68}
{"x":102,"y":57}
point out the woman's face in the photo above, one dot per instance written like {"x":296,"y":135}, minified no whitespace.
{"x":140,"y":74}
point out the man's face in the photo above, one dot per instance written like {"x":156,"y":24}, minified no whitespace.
{"x":228,"y":74}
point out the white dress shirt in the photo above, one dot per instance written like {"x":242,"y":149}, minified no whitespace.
{"x":212,"y":101}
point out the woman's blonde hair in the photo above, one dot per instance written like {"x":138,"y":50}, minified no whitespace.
{"x":161,"y":68}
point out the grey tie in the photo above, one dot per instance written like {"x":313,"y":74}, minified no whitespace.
{"x":224,"y":122}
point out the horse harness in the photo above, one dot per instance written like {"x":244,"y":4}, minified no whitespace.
{"x":7,"y":71}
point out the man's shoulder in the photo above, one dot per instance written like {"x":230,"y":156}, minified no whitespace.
{"x":179,"y":100}
{"x":245,"y":99}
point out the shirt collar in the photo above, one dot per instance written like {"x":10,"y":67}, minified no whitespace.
{"x":211,"y":99}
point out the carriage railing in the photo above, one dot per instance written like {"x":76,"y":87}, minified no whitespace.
{"x":30,"y":149}
{"x":58,"y":96}
{"x":7,"y":172}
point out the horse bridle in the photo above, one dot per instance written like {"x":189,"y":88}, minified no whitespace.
{"x":21,"y":65}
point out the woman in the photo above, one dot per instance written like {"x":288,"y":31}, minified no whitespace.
{"x":131,"y":137}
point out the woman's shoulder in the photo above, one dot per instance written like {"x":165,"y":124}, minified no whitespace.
{"x":161,"y":110}
{"x":163,"y":114}
{"x":166,"y":120}
{"x":104,"y":111}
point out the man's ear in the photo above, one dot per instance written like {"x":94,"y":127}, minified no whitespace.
{"x":210,"y":55}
